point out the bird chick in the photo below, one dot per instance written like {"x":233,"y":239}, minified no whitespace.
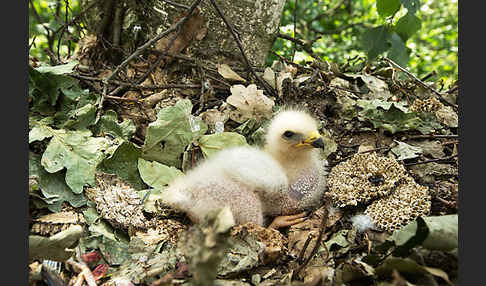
{"x":234,"y":177}
{"x":293,"y":141}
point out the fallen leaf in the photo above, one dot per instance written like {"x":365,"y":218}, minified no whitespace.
{"x":250,"y":102}
{"x":211,"y":144}
{"x":157,"y":175}
{"x":403,"y":151}
{"x":225,"y":71}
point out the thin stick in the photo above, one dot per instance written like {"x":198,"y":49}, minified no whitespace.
{"x":432,"y":160}
{"x":431,"y":136}
{"x":318,"y":241}
{"x":423,"y":84}
{"x":177,"y":5}
{"x":240,"y":46}
{"x":304,"y":248}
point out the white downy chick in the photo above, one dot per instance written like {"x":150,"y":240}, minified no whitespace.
{"x":234,"y":177}
{"x":293,"y":140}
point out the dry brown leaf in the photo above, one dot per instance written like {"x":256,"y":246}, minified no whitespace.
{"x":250,"y":102}
{"x":225,"y":71}
{"x":272,"y":239}
{"x":194,"y":28}
{"x":269,"y":77}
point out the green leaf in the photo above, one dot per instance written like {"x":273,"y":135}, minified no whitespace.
{"x":53,"y":187}
{"x":211,"y":144}
{"x":407,"y":25}
{"x":58,"y":70}
{"x":398,"y":51}
{"x":375,"y":41}
{"x":411,"y":5}
{"x":387,"y":7}
{"x":81,"y":118}
{"x":76,"y":151}
{"x":108,"y":124}
{"x":443,"y":232}
{"x":124,"y":163}
{"x":157,"y":175}
{"x":393,"y":116}
{"x":168,"y":136}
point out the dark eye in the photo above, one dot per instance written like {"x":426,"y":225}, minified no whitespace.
{"x":288,"y":134}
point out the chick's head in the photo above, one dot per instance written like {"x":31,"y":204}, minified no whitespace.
{"x":293,"y":132}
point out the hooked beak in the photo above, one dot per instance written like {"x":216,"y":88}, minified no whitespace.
{"x":314,"y":140}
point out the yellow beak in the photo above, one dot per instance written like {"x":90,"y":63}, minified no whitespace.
{"x":314,"y":140}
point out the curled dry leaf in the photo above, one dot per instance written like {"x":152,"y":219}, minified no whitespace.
{"x":194,"y":28}
{"x":225,"y":71}
{"x":250,"y":102}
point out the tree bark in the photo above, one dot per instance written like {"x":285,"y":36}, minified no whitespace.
{"x":255,"y":21}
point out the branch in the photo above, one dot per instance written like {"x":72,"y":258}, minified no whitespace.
{"x":329,"y":12}
{"x":423,"y":84}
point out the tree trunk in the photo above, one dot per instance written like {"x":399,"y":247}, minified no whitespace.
{"x":125,"y":25}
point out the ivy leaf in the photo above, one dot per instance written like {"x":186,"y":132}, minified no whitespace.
{"x":76,"y":151}
{"x":375,"y":41}
{"x":408,"y":25}
{"x":168,"y":136}
{"x":53,"y":187}
{"x":411,"y":5}
{"x":398,"y":51}
{"x":387,"y":7}
{"x":213,"y":143}
{"x":157,"y":175}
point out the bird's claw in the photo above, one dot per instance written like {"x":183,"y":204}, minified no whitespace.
{"x":283,"y":221}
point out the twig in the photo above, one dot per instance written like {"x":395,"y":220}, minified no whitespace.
{"x":33,"y":42}
{"x":267,"y":88}
{"x":431,"y":136}
{"x":318,"y":241}
{"x":177,"y":5}
{"x":304,"y":248}
{"x":423,"y":84}
{"x":295,"y":29}
{"x":432,"y":160}
{"x":75,"y":18}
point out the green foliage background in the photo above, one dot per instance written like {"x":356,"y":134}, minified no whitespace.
{"x":334,"y":27}
{"x":336,"y":34}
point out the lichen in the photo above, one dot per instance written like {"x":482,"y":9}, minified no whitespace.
{"x":408,"y":202}
{"x":363,"y":178}
{"x":395,"y":197}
